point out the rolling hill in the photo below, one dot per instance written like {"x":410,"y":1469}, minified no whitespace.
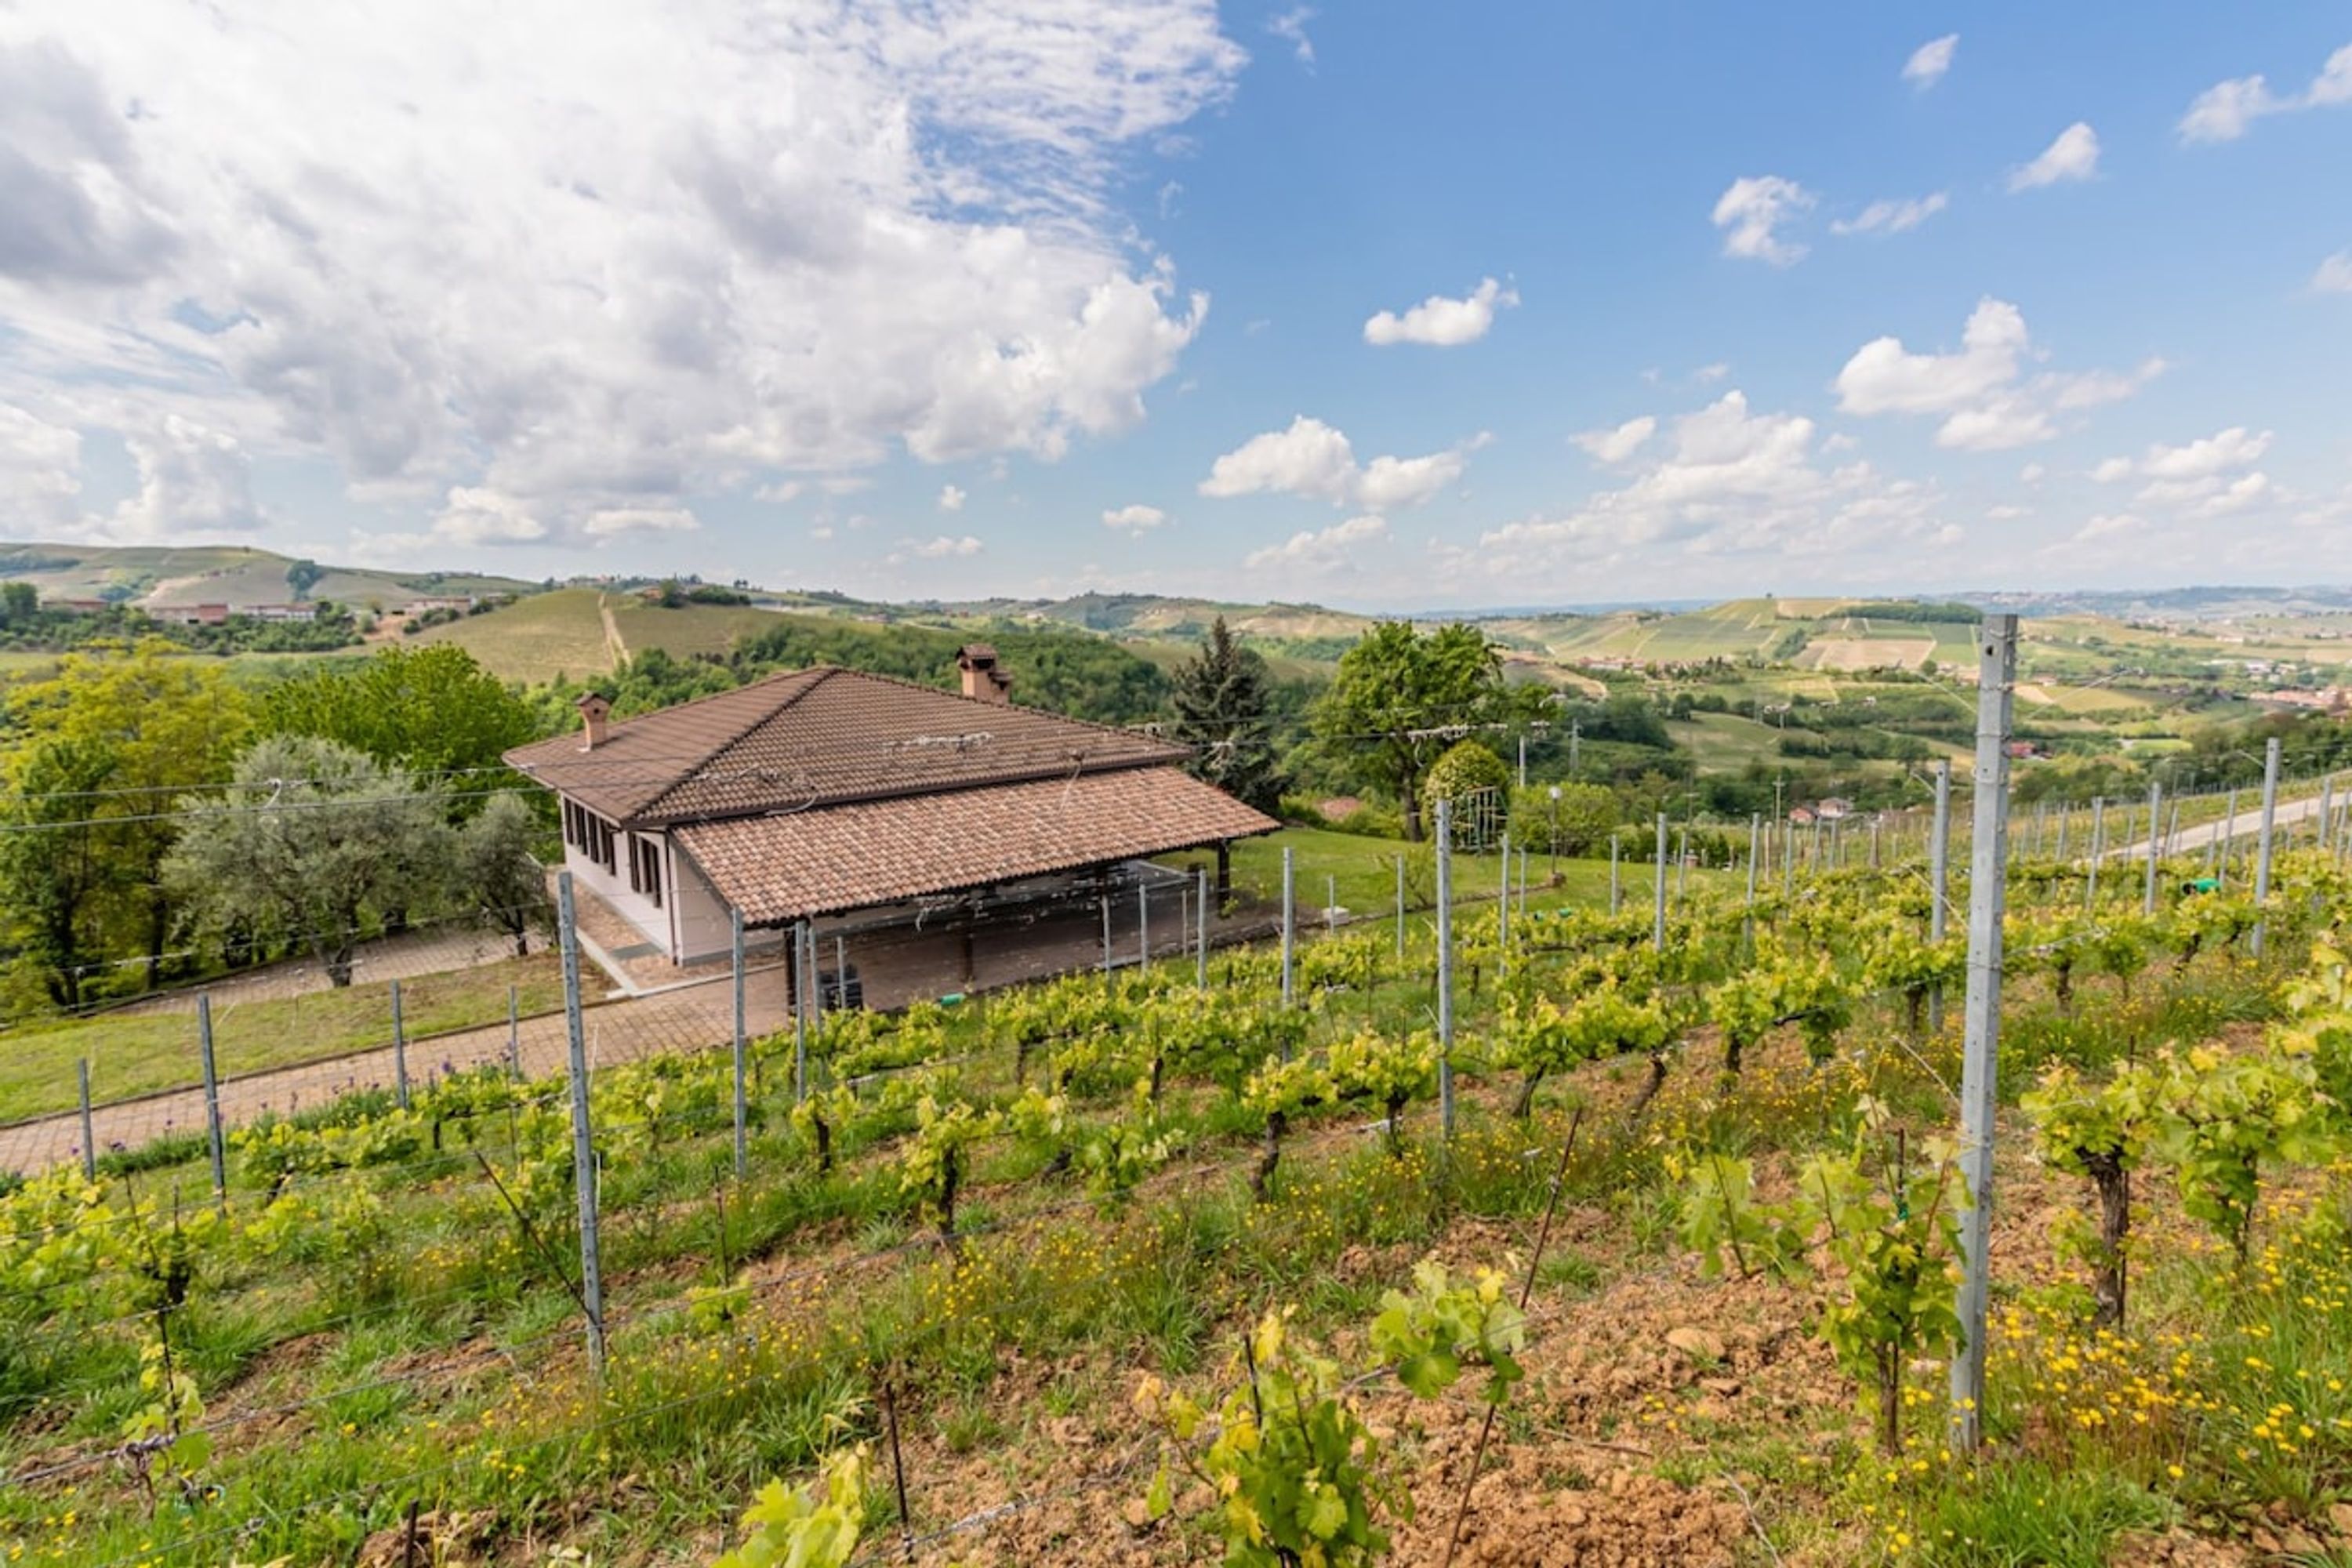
{"x":158,"y":576}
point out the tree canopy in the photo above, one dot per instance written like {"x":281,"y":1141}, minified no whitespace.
{"x":1402,"y":696}
{"x":1222,"y":713}
{"x":314,"y":840}
{"x":430,"y":711}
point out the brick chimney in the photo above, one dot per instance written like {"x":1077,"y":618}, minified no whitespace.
{"x":982,"y":680}
{"x":594,"y":708}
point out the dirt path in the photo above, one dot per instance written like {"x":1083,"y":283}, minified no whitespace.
{"x":616,"y":648}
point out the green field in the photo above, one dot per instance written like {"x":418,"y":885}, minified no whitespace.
{"x":536,"y":639}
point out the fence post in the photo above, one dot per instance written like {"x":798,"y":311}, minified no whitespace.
{"x":1987,"y":889}
{"x":2228,"y":836}
{"x":1106,"y":918}
{"x":803,"y":937}
{"x":1503,"y":914}
{"x":1682,"y":860}
{"x":399,"y":1049}
{"x":2262,"y":848}
{"x":2154,"y":841}
{"x":1289,"y":920}
{"x":2099,"y":846}
{"x":1400,"y":918}
{"x":211,"y":1100}
{"x":583,"y":1148}
{"x":1940,"y":878}
{"x":1523,"y":761}
{"x":2326,"y":808}
{"x":1616,"y":891}
{"x":1444,"y":966}
{"x":89,"y":1135}
{"x":1877,"y":820}
{"x":1201,"y":944}
{"x":1331,"y":903}
{"x":514,"y":1030}
{"x":1658,"y":920}
{"x":735,"y":950}
{"x":1143,"y":929}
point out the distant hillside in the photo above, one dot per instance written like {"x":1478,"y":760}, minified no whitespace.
{"x":157,"y":576}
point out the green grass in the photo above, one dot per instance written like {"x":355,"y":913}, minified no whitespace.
{"x":1362,"y":871}
{"x":138,"y":1054}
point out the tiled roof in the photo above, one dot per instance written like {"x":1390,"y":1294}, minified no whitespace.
{"x":815,"y":738}
{"x":799,"y":864}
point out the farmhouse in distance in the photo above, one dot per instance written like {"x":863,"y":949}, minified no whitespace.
{"x":840,"y":803}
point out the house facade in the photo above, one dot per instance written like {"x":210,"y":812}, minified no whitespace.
{"x":824,"y":800}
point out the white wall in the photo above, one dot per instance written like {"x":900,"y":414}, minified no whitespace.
{"x":612,"y":887}
{"x":704,"y":926}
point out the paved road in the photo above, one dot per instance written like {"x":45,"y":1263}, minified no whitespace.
{"x":2247,"y":824}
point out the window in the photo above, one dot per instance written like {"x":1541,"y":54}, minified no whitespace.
{"x":645,"y":867}
{"x":589,"y":834}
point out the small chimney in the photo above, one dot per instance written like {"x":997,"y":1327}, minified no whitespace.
{"x":983,"y":681}
{"x":594,"y":708}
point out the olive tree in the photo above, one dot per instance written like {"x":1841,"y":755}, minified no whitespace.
{"x":311,"y":840}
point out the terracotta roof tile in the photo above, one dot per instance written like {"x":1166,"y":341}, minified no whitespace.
{"x":820,"y":737}
{"x":799,"y":864}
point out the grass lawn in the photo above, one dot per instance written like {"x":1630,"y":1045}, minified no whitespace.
{"x":133,"y":1053}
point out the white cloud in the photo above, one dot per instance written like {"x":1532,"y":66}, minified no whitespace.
{"x":612,"y":523}
{"x":1137,"y":519}
{"x":713,"y":247}
{"x":2074,"y":156}
{"x":2198,"y":480}
{"x":1892,"y":216}
{"x":2032,"y":473}
{"x":485,"y":517}
{"x":1930,"y":60}
{"x":2223,"y":112}
{"x":1986,"y":401}
{"x":1439,"y":321}
{"x":2334,"y":274}
{"x":1727,"y":482}
{"x":1290,"y":27}
{"x":193,"y":481}
{"x":942,"y":548}
{"x":40,"y":476}
{"x":1707,"y":374}
{"x":782,"y":493}
{"x":1313,"y":460}
{"x":1616,"y":445}
{"x":821,"y":533}
{"x":1320,"y":550}
{"x":1751,"y":212}
{"x":951,"y":498}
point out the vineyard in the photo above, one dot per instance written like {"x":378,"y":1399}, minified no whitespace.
{"x":1657,"y":1264}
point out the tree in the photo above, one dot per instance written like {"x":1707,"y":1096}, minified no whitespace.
{"x":301,"y":577}
{"x":20,"y":602}
{"x":431,"y":710}
{"x":103,"y":747}
{"x":1468,"y":768}
{"x":314,"y":837}
{"x":1222,"y":713}
{"x":499,"y":871}
{"x":1400,"y":696}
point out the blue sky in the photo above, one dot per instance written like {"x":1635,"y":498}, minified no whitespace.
{"x":1027,"y":297}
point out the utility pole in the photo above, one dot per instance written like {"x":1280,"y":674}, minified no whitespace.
{"x":1988,"y":878}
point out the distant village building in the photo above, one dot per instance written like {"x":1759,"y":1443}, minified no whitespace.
{"x":1801,"y":815}
{"x":841,"y":804}
{"x":190,"y":614}
{"x":1833,"y":809}
{"x":425,"y":604}
{"x":282,"y":611}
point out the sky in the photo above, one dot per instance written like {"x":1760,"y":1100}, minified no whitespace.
{"x":1380,"y":305}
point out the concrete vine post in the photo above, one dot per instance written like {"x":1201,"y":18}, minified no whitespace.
{"x":1940,"y":878}
{"x":583,"y":1144}
{"x":1445,"y":966}
{"x":1988,"y":888}
{"x":214,"y":1141}
{"x":2263,"y":847}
